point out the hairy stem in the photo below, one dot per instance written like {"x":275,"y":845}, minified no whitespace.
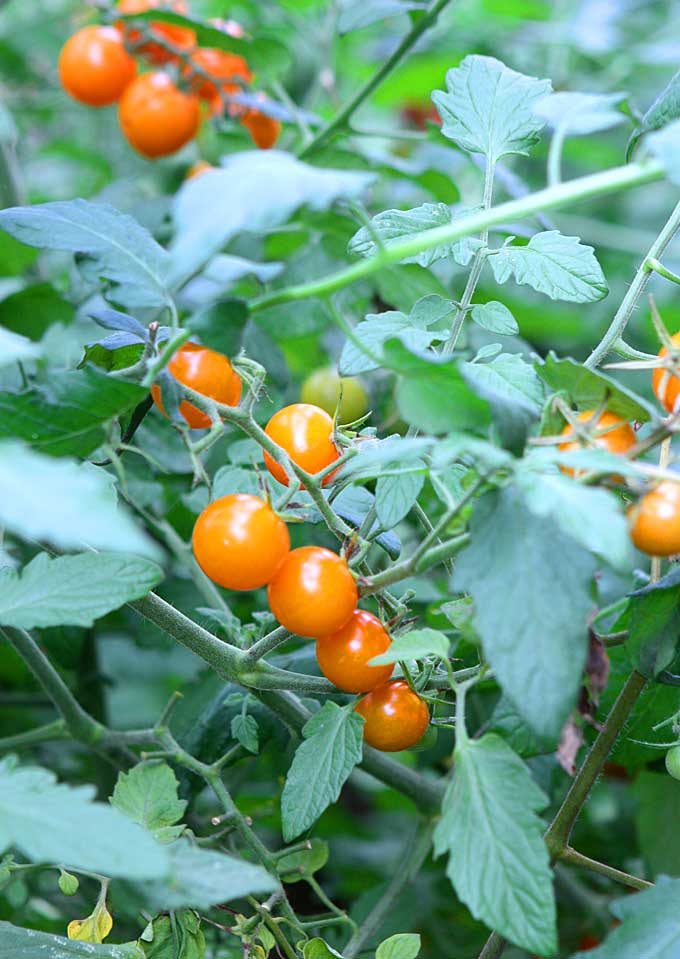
{"x":575,"y":858}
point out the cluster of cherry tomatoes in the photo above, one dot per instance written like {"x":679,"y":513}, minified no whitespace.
{"x":160,"y":111}
{"x":241,"y":544}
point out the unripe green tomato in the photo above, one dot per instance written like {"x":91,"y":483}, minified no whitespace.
{"x":322,"y":388}
{"x":673,"y":762}
{"x":68,"y":883}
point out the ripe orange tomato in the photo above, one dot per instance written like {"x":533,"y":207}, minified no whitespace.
{"x":183,"y":38}
{"x":264,"y":130}
{"x":655,"y":520}
{"x":222,"y":67}
{"x":666,"y":383}
{"x":207,"y":372}
{"x":305,"y":433}
{"x":313,"y":592}
{"x":343,"y":656}
{"x":619,"y":438}
{"x":396,"y":718}
{"x":239,"y":542}
{"x":95,"y":67}
{"x":156,"y":117}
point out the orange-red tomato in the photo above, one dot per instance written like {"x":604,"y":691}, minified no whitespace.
{"x":95,"y":67}
{"x":313,"y":592}
{"x":395,"y":717}
{"x":223,"y":69}
{"x":182,"y":38}
{"x":655,"y":521}
{"x":619,"y":438}
{"x":666,"y":382}
{"x":156,"y":117}
{"x":239,"y":542}
{"x":264,"y":130}
{"x":344,"y":656}
{"x":305,"y":432}
{"x":588,"y":942}
{"x":206,"y":371}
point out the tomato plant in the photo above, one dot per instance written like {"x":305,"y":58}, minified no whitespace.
{"x":339,"y":488}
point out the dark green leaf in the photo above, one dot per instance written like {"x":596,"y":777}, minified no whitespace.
{"x":147,"y":795}
{"x":17,"y":943}
{"x":32,"y":311}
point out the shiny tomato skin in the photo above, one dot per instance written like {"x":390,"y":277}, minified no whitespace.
{"x":305,"y":432}
{"x":222,"y":67}
{"x":207,"y":372}
{"x":395,"y":717}
{"x":239,"y":542}
{"x":264,"y":130}
{"x":182,"y":38}
{"x":673,"y":762}
{"x":343,"y":656}
{"x":95,"y":67}
{"x":655,"y":521}
{"x":618,"y":440}
{"x":313,"y":593}
{"x":666,"y":383}
{"x":156,"y":117}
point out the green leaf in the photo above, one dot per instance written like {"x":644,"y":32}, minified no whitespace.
{"x":33,"y":310}
{"x":650,"y":925}
{"x":176,"y":937}
{"x":199,"y":878}
{"x":488,"y":108}
{"x":534,"y":635}
{"x":653,"y":619}
{"x":392,"y":225}
{"x":590,"y":516}
{"x":17,"y":943}
{"x":588,"y":388}
{"x":147,"y":795}
{"x":297,"y":866}
{"x":495,"y":318}
{"x":70,"y":418}
{"x":512,"y":389}
{"x":507,"y":722}
{"x":245,"y":730}
{"x":664,"y":144}
{"x":355,"y":14}
{"x":579,"y":114}
{"x":73,"y":590}
{"x":656,"y":818}
{"x":320,"y":767}
{"x":498,"y":863}
{"x":405,"y":945}
{"x":114,"y":245}
{"x":416,"y":644}
{"x":272,"y":186}
{"x":432,"y":393}
{"x":560,"y":266}
{"x":664,"y":109}
{"x":68,"y":504}
{"x":235,"y":479}
{"x":50,"y":822}
{"x":318,"y":949}
{"x":364,"y":350}
{"x":395,"y":497}
{"x":16,"y":349}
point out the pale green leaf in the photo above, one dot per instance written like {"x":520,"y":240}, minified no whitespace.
{"x":560,"y":266}
{"x":405,"y":945}
{"x":147,"y":795}
{"x":15,"y":348}
{"x":416,"y":644}
{"x":579,"y":114}
{"x":494,"y":317}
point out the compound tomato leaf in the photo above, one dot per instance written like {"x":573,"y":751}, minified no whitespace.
{"x":147,"y":795}
{"x":650,"y":925}
{"x":245,"y":730}
{"x":395,"y":496}
{"x":535,"y":637}
{"x":322,"y":763}
{"x":17,"y":943}
{"x":488,"y":108}
{"x":560,"y":266}
{"x":498,"y":863}
{"x":73,"y":590}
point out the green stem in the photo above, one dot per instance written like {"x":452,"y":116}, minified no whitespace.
{"x":575,"y":858}
{"x":33,"y":737}
{"x":268,"y":643}
{"x":341,"y":118}
{"x":563,"y":194}
{"x":414,"y":855}
{"x":640,"y":280}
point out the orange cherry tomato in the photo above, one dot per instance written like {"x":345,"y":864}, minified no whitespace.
{"x":305,"y":433}
{"x":343,"y":656}
{"x":264,"y":130}
{"x":95,"y":67}
{"x":396,"y":718}
{"x":619,"y":438}
{"x":655,"y":521}
{"x":182,"y":38}
{"x":223,"y":69}
{"x":313,"y":592}
{"x":156,"y":117}
{"x":239,"y":542}
{"x":207,"y":372}
{"x":666,"y":383}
